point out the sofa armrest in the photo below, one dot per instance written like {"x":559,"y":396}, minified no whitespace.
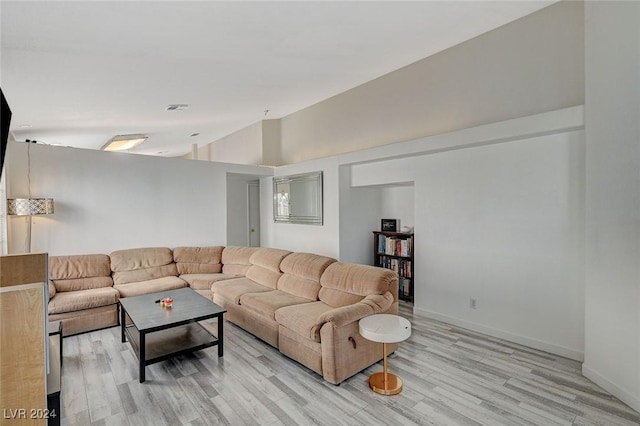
{"x":370,"y":305}
{"x":52,"y":290}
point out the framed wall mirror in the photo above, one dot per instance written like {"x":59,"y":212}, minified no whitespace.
{"x":298,"y":198}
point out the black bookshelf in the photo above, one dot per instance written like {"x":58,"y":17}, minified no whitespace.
{"x":394,"y":250}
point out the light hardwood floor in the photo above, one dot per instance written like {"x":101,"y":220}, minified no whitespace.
{"x":451,"y":376}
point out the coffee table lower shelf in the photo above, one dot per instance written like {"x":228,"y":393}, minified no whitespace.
{"x":165,"y":344}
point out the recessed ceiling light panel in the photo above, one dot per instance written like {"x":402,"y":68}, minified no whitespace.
{"x":123,"y":142}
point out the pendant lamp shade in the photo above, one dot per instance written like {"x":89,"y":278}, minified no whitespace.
{"x":29,"y":206}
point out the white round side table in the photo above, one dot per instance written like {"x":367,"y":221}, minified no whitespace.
{"x":385,"y":328}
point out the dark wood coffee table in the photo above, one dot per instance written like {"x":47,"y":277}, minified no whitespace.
{"x":157,"y":334}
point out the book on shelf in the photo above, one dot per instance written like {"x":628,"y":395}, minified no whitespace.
{"x":407,"y":269}
{"x":394,"y":246}
{"x":404,"y":286}
{"x":395,"y":265}
{"x":401,"y":266}
{"x":389,"y":247}
{"x":405,"y":247}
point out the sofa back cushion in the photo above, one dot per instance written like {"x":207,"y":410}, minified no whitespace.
{"x":344,"y":284}
{"x":80,"y":272}
{"x":265,"y":266}
{"x":236,"y":260}
{"x":198,"y":260}
{"x":142,"y":264}
{"x":301,"y":274}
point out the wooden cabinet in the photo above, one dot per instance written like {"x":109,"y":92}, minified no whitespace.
{"x":23,"y":346}
{"x":54,"y":378}
{"x":394,"y":250}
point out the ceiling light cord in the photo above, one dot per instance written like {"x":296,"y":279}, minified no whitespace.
{"x":29,"y":169}
{"x":28,"y":218}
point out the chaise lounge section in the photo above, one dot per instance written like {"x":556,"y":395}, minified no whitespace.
{"x":277,"y":278}
{"x":323,"y":334}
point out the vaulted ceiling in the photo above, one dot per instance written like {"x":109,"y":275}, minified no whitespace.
{"x":77,"y":73}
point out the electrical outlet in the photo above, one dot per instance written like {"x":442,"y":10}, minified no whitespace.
{"x":473,"y":304}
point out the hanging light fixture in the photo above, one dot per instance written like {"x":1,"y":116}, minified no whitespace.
{"x":29,"y":206}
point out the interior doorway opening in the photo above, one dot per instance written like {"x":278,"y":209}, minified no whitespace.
{"x":243,"y":210}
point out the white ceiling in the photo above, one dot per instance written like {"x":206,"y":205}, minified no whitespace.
{"x":77,"y":73}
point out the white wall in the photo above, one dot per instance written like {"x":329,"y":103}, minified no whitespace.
{"x":241,"y":147}
{"x":257,"y":144}
{"x":360,"y":214}
{"x":397,"y":202}
{"x":300,"y":237}
{"x":349,"y":215}
{"x":613,"y":198}
{"x":515,"y":224}
{"x":532,"y":65}
{"x":498,"y":217}
{"x":502,"y":224}
{"x":271,"y":142}
{"x":106,"y":201}
{"x":204,"y":153}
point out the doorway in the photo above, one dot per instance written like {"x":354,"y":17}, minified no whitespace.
{"x":243,"y":210}
{"x":253,"y":212}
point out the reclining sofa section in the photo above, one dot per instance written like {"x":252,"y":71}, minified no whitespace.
{"x":306,"y":305}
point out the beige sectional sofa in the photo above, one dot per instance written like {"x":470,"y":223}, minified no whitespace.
{"x":306,"y":305}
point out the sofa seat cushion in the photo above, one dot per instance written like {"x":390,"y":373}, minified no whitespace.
{"x":231,"y":290}
{"x":304,"y":319}
{"x":204,"y":281}
{"x":267,"y":303}
{"x":150,"y":286}
{"x":72,"y":301}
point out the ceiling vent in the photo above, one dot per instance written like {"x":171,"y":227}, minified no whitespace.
{"x":176,"y":107}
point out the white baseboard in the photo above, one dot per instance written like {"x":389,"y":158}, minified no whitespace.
{"x":516,"y":338}
{"x":625,"y":396}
